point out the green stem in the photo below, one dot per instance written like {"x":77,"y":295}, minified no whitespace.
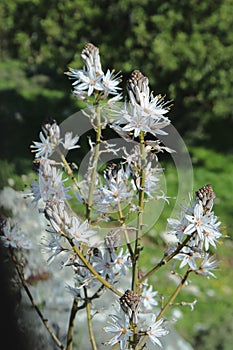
{"x":74,"y":309}
{"x":124,"y":227}
{"x":137,"y":246}
{"x":174,"y":295}
{"x":165,"y":260}
{"x":91,"y":269}
{"x":94,"y":165}
{"x":141,"y":345}
{"x":69,"y":171}
{"x":89,"y":320}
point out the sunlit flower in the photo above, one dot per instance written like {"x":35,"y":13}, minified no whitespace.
{"x":205,"y":225}
{"x":80,"y":231}
{"x":156,"y":331}
{"x":188,"y":256}
{"x":139,"y":94}
{"x":148,"y":300}
{"x":70,"y":141}
{"x":111,"y":81}
{"x":208,"y":264}
{"x":120,"y":328}
{"x":92,"y":78}
{"x":50,"y":139}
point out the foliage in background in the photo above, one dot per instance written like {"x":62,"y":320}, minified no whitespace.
{"x":185,"y":47}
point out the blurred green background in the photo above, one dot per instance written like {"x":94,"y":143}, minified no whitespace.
{"x":186,"y":50}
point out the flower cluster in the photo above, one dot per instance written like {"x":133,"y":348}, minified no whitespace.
{"x":120,"y":328}
{"x":92,"y":78}
{"x":199,"y":229}
{"x":80,"y":211}
{"x":144,"y":112}
{"x":12,"y":237}
{"x":51,"y":140}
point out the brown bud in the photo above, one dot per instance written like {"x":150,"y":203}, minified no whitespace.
{"x":130,"y":303}
{"x":206,"y":195}
{"x":138,"y":84}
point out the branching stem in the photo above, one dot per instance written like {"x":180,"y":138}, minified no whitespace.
{"x":74,"y":309}
{"x":91,"y":269}
{"x":137,"y":246}
{"x":142,"y":343}
{"x":38,"y":311}
{"x":94,"y":165}
{"x":89,"y":320}
{"x":166,"y":259}
{"x":124,"y":227}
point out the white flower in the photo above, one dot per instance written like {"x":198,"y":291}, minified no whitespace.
{"x":177,"y":227}
{"x":153,"y":106}
{"x":151,"y":179}
{"x":148,"y":300}
{"x":120,"y":328}
{"x":52,"y":246}
{"x":208,"y":264}
{"x":89,"y":81}
{"x":44,"y":148}
{"x":92,"y":77}
{"x":156,"y":331}
{"x":122,"y":262}
{"x":188,"y":256}
{"x":13,"y":237}
{"x":80,"y":230}
{"x":110,"y":82}
{"x":50,"y":184}
{"x":115,"y":190}
{"x":104,"y":265}
{"x":50,"y":139}
{"x":132,"y":120}
{"x":69,"y":141}
{"x":205,"y":225}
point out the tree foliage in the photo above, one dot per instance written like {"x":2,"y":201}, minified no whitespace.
{"x":184,"y":46}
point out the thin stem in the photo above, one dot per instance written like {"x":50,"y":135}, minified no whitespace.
{"x":91,"y":269}
{"x":69,"y":171}
{"x":74,"y":309}
{"x":137,"y":246}
{"x":124,"y":227}
{"x":94,"y":296}
{"x":95,"y":164}
{"x":165,"y":260}
{"x":141,"y":345}
{"x":43,"y":319}
{"x":174,"y":295}
{"x":89,"y":320}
